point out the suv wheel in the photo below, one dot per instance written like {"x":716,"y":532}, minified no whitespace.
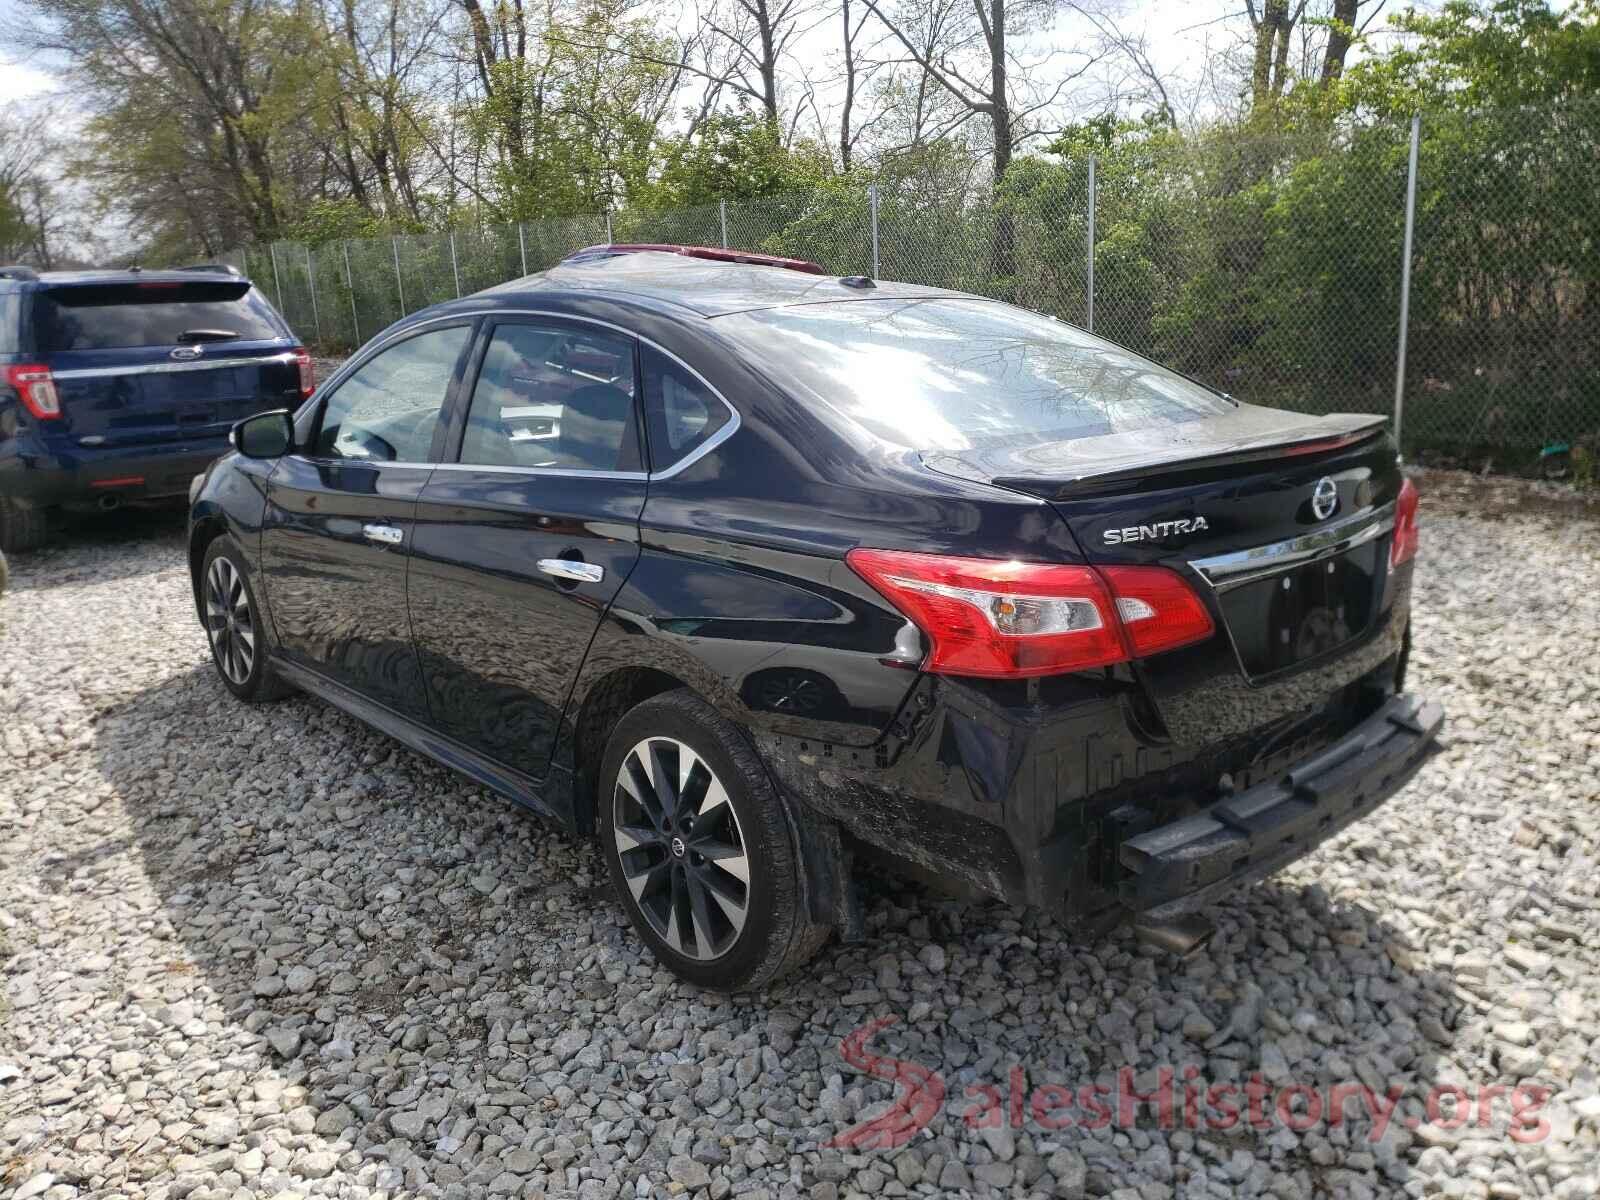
{"x":231,"y":617}
{"x":22,"y":527}
{"x":700,"y":849}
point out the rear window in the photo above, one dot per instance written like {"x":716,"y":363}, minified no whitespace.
{"x":953,"y":374}
{"x":127,"y":316}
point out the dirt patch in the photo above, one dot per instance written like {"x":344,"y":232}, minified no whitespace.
{"x":1494,"y":497}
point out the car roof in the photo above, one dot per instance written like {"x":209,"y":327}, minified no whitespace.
{"x":706,"y":287}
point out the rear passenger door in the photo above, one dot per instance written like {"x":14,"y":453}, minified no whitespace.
{"x":523,"y":540}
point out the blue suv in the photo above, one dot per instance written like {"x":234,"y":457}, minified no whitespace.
{"x":118,"y":387}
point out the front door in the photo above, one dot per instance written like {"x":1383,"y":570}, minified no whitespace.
{"x":522,"y":542}
{"x":337,"y":529}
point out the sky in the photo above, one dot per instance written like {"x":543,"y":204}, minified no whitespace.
{"x":1177,"y":31}
{"x":18,"y":80}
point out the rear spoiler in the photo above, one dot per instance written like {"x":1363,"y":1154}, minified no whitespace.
{"x":1170,"y":467}
{"x":713,"y":253}
{"x":1139,"y":476}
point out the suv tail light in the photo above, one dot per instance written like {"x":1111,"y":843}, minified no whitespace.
{"x":37,"y":388}
{"x":308,"y":373}
{"x":1009,"y":620}
{"x":1404,"y":546}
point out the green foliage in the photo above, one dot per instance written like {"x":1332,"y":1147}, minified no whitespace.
{"x":573,"y":123}
{"x":732,"y":156}
{"x":14,"y":229}
{"x":920,"y":191}
{"x":1585,"y":475}
{"x":1479,"y":55}
{"x":338,"y":219}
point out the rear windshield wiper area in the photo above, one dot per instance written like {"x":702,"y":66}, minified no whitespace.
{"x":208,"y":335}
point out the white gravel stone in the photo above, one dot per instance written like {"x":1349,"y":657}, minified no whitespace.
{"x":264,"y":952}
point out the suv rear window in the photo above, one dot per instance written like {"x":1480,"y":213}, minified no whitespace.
{"x":953,"y":374}
{"x":125,"y":316}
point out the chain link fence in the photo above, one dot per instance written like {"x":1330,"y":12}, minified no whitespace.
{"x":1269,"y":267}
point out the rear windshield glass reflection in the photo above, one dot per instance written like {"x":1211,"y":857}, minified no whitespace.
{"x":951,"y":374}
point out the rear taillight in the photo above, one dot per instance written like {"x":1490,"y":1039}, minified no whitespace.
{"x":308,"y":374}
{"x":1008,"y":620}
{"x":1404,"y":546}
{"x":37,"y":388}
{"x":1159,"y":611}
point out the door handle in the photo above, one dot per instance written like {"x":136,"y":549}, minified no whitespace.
{"x":567,"y":568}
{"x":385,"y":535}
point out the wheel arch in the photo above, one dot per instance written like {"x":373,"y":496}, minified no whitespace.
{"x":604,"y":704}
{"x":824,"y":865}
{"x":204,"y":528}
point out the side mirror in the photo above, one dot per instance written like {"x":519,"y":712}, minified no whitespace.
{"x":265,"y":435}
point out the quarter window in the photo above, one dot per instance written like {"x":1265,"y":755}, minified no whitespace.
{"x":554,"y":397}
{"x":389,"y":409}
{"x":681,"y":413}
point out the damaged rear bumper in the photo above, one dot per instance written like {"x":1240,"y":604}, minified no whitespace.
{"x":1064,"y":806}
{"x":1181,"y":866}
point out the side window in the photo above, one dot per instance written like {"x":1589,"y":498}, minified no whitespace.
{"x":681,"y":413}
{"x":388,"y":410}
{"x":555,"y":397}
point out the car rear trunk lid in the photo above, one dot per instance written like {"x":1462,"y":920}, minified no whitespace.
{"x":1281,"y":522}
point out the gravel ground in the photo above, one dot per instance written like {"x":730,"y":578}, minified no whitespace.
{"x":267,"y":952}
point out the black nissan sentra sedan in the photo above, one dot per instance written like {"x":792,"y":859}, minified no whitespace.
{"x":760,"y":576}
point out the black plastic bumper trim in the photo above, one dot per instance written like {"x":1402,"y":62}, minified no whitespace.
{"x":166,"y":472}
{"x":1186,"y":864}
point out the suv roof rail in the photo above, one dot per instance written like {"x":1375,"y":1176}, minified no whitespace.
{"x":224,"y":268}
{"x":19,"y":272}
{"x":715,"y":253}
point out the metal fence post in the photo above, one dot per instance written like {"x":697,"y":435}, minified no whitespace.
{"x":1405,"y":282}
{"x":1089,"y":251}
{"x":399,"y":283}
{"x":311,"y":286}
{"x":350,"y":282}
{"x":723,"y":204}
{"x":608,"y":227}
{"x":522,"y":245}
{"x":872,"y":197}
{"x":277,"y":283}
{"x":454,"y":268}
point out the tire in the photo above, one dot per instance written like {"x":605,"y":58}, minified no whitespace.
{"x":21,"y":527}
{"x":689,"y":906}
{"x":231,"y":616}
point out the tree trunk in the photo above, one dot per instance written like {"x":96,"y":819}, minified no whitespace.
{"x":1339,"y":38}
{"x":769,"y":66}
{"x":1271,"y":30}
{"x":1280,"y":59}
{"x":1004,"y":249}
{"x":849,"y":92}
